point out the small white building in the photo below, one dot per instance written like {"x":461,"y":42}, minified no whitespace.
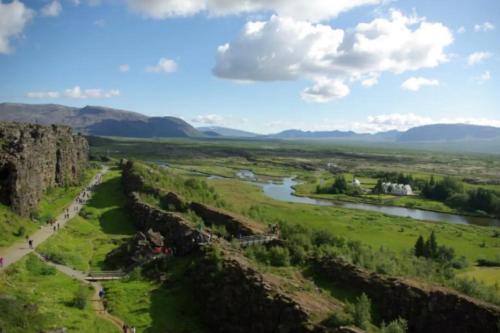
{"x":397,"y":189}
{"x":356,"y":182}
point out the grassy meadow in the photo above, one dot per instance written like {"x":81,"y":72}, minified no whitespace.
{"x":102,"y":225}
{"x":50,"y":295}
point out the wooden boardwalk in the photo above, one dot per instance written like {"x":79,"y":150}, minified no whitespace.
{"x":256,"y":240}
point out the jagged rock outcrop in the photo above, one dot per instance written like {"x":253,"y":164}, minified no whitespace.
{"x":34,"y":158}
{"x":235,"y":298}
{"x":427,"y":308}
{"x":136,"y":250}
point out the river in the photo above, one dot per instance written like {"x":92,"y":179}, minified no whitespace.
{"x":284,"y":191}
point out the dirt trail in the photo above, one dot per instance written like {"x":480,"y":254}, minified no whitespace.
{"x":97,"y":302}
{"x":17,"y":251}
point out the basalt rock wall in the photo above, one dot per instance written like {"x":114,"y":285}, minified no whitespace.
{"x":235,"y":298}
{"x":178,"y":233}
{"x":34,"y":158}
{"x":427,"y":308}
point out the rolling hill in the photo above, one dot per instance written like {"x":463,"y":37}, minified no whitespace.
{"x":97,"y":120}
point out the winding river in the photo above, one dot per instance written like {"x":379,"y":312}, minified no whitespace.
{"x":284,"y":191}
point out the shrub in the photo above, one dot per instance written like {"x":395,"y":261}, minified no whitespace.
{"x":20,"y":232}
{"x":397,"y":326}
{"x":279,"y":256}
{"x":220,"y":230}
{"x":340,"y":318}
{"x":80,"y":298}
{"x":135,"y":274}
{"x":362,"y":312}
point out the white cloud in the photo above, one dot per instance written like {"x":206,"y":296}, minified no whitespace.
{"x":325,"y":90}
{"x":13,"y":18}
{"x":75,"y":93}
{"x":124,"y":68}
{"x":164,"y":66}
{"x":415,"y":83}
{"x":370,"y":82}
{"x":208,"y":119}
{"x":286,"y":49}
{"x":52,"y":9}
{"x":486,"y":76}
{"x":392,"y":121}
{"x":484,"y":27}
{"x":478,"y":57}
{"x":43,"y":94}
{"x":313,"y":10}
{"x":461,"y":30}
{"x":405,"y":121}
{"x":78,"y":93}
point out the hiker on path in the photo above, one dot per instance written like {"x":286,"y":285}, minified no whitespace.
{"x":58,"y":227}
{"x":30,"y":243}
{"x":1,"y":262}
{"x":125,"y":328}
{"x":54,"y":228}
{"x":101,"y":293}
{"x":132,"y":330}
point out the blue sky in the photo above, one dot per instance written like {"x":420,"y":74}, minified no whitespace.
{"x":308,"y":64}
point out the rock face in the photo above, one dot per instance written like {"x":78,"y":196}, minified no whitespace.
{"x":427,"y":308}
{"x":34,"y":158}
{"x":177,"y":232}
{"x":234,"y":298}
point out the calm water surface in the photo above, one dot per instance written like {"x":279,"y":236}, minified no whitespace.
{"x":284,"y":192}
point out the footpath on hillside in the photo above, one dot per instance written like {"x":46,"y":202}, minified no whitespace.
{"x":97,"y":301}
{"x":17,"y":251}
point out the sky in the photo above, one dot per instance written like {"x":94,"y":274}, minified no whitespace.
{"x":259,"y":65}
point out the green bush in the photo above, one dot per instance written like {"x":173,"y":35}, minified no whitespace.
{"x":397,"y":326}
{"x":339,"y":319}
{"x":279,"y":256}
{"x":20,"y":232}
{"x":80,"y":298}
{"x":135,"y":274}
{"x":362,"y":312}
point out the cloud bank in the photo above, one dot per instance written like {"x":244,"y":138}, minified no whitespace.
{"x":14,"y":16}
{"x":75,"y":93}
{"x":286,"y":49}
{"x":311,"y":10}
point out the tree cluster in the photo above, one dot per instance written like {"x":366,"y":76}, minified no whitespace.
{"x":339,"y":186}
{"x":453,"y":193}
{"x":430,"y":249}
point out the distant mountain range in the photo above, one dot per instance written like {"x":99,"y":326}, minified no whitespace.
{"x":102,"y":121}
{"x":97,"y":120}
{"x":227,"y":132}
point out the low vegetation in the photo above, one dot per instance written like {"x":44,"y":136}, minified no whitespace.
{"x":47,"y":299}
{"x":102,"y":225}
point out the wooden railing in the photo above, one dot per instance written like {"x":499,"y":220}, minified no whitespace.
{"x":256,"y":240}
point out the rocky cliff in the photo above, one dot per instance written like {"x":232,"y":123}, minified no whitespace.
{"x":427,"y":308}
{"x":34,"y":158}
